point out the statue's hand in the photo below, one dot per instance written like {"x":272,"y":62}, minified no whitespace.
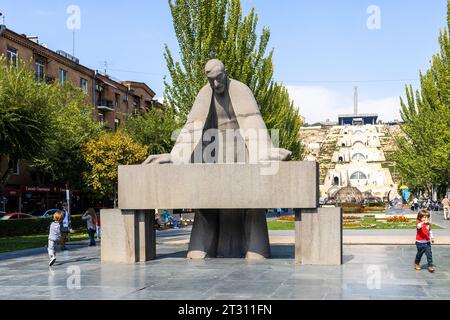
{"x":280,"y":154}
{"x":159,"y":159}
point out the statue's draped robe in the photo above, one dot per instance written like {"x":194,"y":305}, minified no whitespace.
{"x":226,"y":233}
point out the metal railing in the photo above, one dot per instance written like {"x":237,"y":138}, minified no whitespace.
{"x":105,"y":104}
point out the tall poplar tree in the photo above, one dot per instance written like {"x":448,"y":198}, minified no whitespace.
{"x":423,"y":152}
{"x":205,"y":26}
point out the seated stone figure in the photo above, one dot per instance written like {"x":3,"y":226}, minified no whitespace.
{"x":225,"y":126}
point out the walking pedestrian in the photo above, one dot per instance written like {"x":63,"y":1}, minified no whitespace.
{"x":65,"y":229}
{"x":416,"y":203}
{"x":91,"y":224}
{"x":54,"y":236}
{"x":446,"y":207}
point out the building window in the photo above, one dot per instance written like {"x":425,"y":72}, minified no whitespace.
{"x":116,"y":124}
{"x":101,"y":118}
{"x":84,"y":84}
{"x":358,"y":176}
{"x":39,"y":70}
{"x":14,"y":167}
{"x":336,"y":181}
{"x":62,"y":76}
{"x":135,"y":107}
{"x":358,"y":157}
{"x":12,"y":56}
{"x":117,"y":101}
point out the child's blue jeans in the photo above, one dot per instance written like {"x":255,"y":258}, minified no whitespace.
{"x":424,"y":248}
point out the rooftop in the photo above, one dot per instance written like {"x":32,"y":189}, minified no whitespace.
{"x":359,"y":115}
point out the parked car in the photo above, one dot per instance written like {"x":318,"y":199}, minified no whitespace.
{"x":49,"y":213}
{"x":35,"y":213}
{"x":2,"y":213}
{"x":16,"y":216}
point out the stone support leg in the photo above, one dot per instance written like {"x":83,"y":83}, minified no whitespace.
{"x":127,"y":236}
{"x":318,"y":236}
{"x":146,"y":236}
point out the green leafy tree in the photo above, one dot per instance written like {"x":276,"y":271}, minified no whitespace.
{"x":203,"y":26}
{"x":103,"y":157}
{"x":423,"y":149}
{"x":154,"y":129}
{"x":25,"y":109}
{"x":72,"y":125}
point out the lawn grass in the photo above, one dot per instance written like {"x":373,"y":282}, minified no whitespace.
{"x":280,"y":225}
{"x":374,"y":224}
{"x":358,"y":224}
{"x":10,"y":244}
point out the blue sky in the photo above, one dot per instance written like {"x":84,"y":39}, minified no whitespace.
{"x":322,"y":48}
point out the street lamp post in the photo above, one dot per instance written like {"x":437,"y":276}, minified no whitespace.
{"x":68,"y":201}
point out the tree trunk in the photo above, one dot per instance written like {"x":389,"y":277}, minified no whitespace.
{"x":429,"y":190}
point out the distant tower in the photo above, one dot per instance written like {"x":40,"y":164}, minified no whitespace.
{"x":356,"y":101}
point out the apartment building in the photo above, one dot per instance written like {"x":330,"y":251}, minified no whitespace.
{"x":113,"y":101}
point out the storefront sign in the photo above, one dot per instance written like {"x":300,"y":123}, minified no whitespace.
{"x":43,"y":189}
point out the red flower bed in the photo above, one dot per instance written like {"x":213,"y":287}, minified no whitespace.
{"x":398,"y":219}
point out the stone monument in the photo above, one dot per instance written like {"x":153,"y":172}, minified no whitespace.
{"x":226,"y":110}
{"x":225,"y":167}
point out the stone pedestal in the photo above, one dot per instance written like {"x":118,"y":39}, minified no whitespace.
{"x":318,"y":236}
{"x":127,"y":236}
{"x":128,"y":233}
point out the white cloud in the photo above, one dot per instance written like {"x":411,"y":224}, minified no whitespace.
{"x":317,"y":104}
{"x":388,"y":109}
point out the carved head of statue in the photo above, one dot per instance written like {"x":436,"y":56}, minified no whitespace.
{"x":217,"y":76}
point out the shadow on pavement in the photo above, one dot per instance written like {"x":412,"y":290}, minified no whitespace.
{"x":75,"y":246}
{"x":278,"y":252}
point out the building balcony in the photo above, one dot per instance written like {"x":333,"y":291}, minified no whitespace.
{"x":105,"y":105}
{"x":49,"y":79}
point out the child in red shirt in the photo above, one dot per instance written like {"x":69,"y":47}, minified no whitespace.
{"x":424,"y":239}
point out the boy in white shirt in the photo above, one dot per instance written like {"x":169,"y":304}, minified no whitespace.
{"x":54,"y":236}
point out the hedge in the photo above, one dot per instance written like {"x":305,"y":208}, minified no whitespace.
{"x":29,"y":227}
{"x":375,"y":204}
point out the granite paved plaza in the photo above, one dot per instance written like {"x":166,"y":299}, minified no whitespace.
{"x":369,"y":272}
